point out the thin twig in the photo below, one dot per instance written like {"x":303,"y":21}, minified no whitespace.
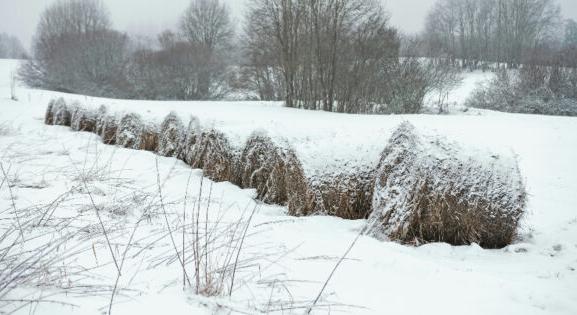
{"x":310,"y":308}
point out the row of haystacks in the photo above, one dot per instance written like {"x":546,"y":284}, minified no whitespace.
{"x":428,"y":190}
{"x":412,"y":196}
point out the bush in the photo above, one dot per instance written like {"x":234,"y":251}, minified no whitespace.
{"x":532,"y":90}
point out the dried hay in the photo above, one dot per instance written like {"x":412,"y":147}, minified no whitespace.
{"x":262,"y":166}
{"x":171,"y":135}
{"x":213,"y":154}
{"x":129,"y":131}
{"x":82,"y":119}
{"x":108,"y":127}
{"x":276,"y":174}
{"x":300,"y":198}
{"x":429,"y":191}
{"x":192,"y":134}
{"x":100,"y":119}
{"x":49,"y":115}
{"x":345,"y":195}
{"x":149,"y":138}
{"x":60,"y":113}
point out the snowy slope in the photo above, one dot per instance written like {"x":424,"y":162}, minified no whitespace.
{"x":290,"y":258}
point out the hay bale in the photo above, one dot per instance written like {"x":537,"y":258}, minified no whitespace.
{"x":149,"y":137}
{"x":213,"y":154}
{"x":300,"y":197}
{"x":100,"y":119}
{"x":276,"y":174}
{"x":49,"y":115}
{"x":262,"y":167}
{"x":82,"y":119}
{"x":61,"y":113}
{"x":347,"y":195}
{"x":171,"y":135}
{"x":189,"y":140}
{"x":129,"y":131}
{"x":429,"y":190}
{"x":107,"y":128}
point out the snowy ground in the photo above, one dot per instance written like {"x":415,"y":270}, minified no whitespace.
{"x":56,"y":178}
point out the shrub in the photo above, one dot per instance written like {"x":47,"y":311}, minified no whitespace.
{"x":532,"y":90}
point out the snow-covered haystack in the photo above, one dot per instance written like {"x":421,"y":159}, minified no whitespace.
{"x":107,"y":127}
{"x":214,"y":155}
{"x":149,"y":137}
{"x":345,"y":195}
{"x":301,"y":199}
{"x":262,"y":166}
{"x":100,"y":117}
{"x":130,"y":130}
{"x":192,"y":134}
{"x":430,"y":190}
{"x":171,"y":135}
{"x":49,"y":115}
{"x":82,"y":119}
{"x":61,"y":115}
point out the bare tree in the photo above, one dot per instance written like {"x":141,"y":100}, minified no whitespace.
{"x":76,"y":50}
{"x":11,"y":48}
{"x":207,"y":27}
{"x":490,"y":30}
{"x":330,"y":52}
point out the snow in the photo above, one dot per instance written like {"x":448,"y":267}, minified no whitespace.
{"x":286,"y":259}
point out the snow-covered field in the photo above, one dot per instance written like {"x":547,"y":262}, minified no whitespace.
{"x":56,"y":179}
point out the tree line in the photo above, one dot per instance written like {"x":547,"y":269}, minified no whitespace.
{"x":332,"y":55}
{"x":11,"y":48}
{"x":511,"y":32}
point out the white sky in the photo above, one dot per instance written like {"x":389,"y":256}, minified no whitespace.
{"x":19,"y":17}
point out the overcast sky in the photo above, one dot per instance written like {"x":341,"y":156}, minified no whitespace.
{"x":19,"y":17}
